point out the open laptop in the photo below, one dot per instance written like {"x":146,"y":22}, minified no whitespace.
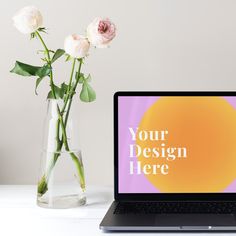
{"x":175,"y":162}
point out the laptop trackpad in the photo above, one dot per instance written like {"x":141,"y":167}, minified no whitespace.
{"x":195,"y":220}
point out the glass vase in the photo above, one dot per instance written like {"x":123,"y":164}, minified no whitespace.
{"x":61,"y":181}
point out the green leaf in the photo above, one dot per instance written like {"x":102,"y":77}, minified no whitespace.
{"x":81,"y":80}
{"x":59,"y":91}
{"x":29,"y":70}
{"x":50,"y":95}
{"x":64,"y":88}
{"x":43,"y":71}
{"x":81,"y":77}
{"x":87,"y":93}
{"x":24,"y":69}
{"x":59,"y":52}
{"x":37,"y":84}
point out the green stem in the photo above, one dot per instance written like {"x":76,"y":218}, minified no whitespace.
{"x":42,"y":186}
{"x":52,"y":83}
{"x":57,"y":153}
{"x":43,"y":183}
{"x":80,"y":169}
{"x":44,"y":45}
{"x":71,"y":76}
{"x":73,"y":91}
{"x":70,"y":94}
{"x":77,"y":162}
{"x":78,"y":74}
{"x":79,"y":166}
{"x":49,"y":62}
{"x":69,"y":88}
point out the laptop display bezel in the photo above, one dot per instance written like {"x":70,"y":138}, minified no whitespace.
{"x":162,"y":196}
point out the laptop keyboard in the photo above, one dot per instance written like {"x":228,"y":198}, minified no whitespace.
{"x":175,"y":208}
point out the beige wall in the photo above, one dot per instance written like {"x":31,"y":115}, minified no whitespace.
{"x":161,"y":45}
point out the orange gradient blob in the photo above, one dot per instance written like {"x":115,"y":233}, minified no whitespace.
{"x":206,"y":126}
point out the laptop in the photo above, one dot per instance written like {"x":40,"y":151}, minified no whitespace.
{"x":174,"y":162}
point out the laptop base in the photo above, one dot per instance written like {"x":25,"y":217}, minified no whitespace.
{"x":167,"y":222}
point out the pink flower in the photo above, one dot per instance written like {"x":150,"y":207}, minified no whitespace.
{"x":101,"y":32}
{"x":76,"y":46}
{"x":28,"y":19}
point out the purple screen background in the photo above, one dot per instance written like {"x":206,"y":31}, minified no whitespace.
{"x":130,"y":112}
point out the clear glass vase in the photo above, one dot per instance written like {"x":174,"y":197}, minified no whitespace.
{"x":61,"y":181}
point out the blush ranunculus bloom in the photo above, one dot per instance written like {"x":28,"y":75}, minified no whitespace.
{"x":28,"y":19}
{"x":76,"y":46}
{"x":100,"y":32}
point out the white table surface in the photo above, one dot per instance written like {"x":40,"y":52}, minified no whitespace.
{"x":19,"y":214}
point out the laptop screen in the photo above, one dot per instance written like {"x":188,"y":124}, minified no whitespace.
{"x":176,"y":144}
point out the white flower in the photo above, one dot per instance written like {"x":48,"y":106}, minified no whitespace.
{"x":101,"y":32}
{"x":76,"y":46}
{"x":28,"y":20}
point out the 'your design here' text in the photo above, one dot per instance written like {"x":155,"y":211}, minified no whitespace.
{"x":160,"y":152}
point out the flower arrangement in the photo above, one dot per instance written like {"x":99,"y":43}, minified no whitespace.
{"x":100,"y":32}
